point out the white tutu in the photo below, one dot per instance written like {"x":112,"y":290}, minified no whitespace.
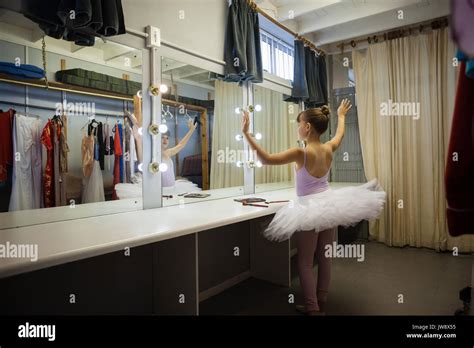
{"x":93,"y":186}
{"x":321,"y":211}
{"x":181,"y":186}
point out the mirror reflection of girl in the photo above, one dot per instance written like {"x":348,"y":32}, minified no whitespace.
{"x":318,"y":210}
{"x":168,"y":177}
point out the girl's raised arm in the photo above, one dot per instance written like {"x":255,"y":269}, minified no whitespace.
{"x":335,"y":142}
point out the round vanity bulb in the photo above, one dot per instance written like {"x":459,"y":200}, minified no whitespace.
{"x":258,"y":136}
{"x":259,"y":164}
{"x":237,"y":111}
{"x":140,"y":167}
{"x":163,"y":128}
{"x":163,"y":167}
{"x":140,"y":131}
{"x":258,"y":107}
{"x":239,"y":164}
{"x":239,"y":137}
{"x":163,"y":88}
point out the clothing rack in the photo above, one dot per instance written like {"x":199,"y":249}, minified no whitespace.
{"x":54,"y":109}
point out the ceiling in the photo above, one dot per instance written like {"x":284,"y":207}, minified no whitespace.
{"x":331,"y":21}
{"x":174,"y":71}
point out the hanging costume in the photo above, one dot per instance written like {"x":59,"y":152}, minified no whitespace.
{"x":319,"y":208}
{"x":93,"y":182}
{"x":6,"y":158}
{"x":48,"y":179}
{"x":26,"y":181}
{"x":117,"y":145}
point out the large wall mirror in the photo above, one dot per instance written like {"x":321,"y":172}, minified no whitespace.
{"x":68,"y":144}
{"x":202,"y":156}
{"x":276,"y":129}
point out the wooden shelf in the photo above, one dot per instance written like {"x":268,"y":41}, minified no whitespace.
{"x":57,"y":86}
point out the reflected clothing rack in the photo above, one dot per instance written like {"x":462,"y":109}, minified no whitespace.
{"x":50,"y":108}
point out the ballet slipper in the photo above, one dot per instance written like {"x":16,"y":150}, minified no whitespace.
{"x":322,"y":306}
{"x":302,"y":309}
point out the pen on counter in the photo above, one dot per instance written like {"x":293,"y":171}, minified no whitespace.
{"x":167,"y":196}
{"x":256,"y":205}
{"x":277,"y":202}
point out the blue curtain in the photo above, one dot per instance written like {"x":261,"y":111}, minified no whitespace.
{"x":310,"y":77}
{"x":242,"y":52}
{"x":91,"y":18}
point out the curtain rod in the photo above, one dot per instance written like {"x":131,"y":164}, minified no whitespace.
{"x":187,"y":106}
{"x":285,"y":28}
{"x":41,"y":84}
{"x":397,"y":33}
{"x":105,"y":114}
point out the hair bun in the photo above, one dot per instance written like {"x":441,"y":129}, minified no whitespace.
{"x":325,"y":110}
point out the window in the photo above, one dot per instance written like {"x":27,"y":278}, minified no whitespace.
{"x":277,"y":56}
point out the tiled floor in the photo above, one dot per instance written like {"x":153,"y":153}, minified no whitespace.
{"x":429,"y":282}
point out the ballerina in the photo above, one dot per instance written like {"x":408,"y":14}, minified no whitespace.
{"x":169,"y":182}
{"x":318,"y":210}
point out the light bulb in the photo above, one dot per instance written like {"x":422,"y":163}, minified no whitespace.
{"x":237,"y":111}
{"x":259,"y":164}
{"x":258,"y":107}
{"x":258,"y":136}
{"x":139,"y":94}
{"x":163,"y":88}
{"x":239,"y":164}
{"x":163,"y":167}
{"x":239,"y":137}
{"x":163,"y":128}
{"x":140,"y":131}
{"x":140,"y":167}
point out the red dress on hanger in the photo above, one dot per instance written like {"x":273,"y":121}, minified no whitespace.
{"x":48,"y":178}
{"x":117,"y":153}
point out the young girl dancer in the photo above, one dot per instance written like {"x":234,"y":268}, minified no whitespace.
{"x":169,"y":182}
{"x":318,"y":210}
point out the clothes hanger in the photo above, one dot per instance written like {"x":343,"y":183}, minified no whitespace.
{"x":90,"y":120}
{"x":168,"y":112}
{"x":187,"y":115}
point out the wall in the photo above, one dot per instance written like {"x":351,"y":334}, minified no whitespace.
{"x":202,"y":29}
{"x":340,"y":72}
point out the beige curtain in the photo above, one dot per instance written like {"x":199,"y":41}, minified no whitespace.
{"x":408,"y":155}
{"x":277,"y":124}
{"x":227,"y":124}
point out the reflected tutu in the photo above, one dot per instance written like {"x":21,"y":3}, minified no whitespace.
{"x":321,"y":211}
{"x":181,"y":186}
{"x":127,"y":191}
